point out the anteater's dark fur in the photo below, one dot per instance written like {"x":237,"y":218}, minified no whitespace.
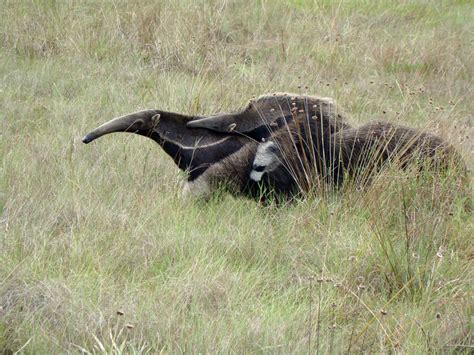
{"x":312,"y":153}
{"x":234,"y":170}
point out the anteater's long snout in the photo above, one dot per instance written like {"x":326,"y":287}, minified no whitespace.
{"x":88,"y":138}
{"x":132,"y":122}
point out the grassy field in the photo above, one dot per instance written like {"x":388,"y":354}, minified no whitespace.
{"x":90,"y":232}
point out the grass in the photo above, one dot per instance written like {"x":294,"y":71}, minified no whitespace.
{"x":88,"y":232}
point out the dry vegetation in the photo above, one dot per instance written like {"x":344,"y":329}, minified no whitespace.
{"x":91,"y":232}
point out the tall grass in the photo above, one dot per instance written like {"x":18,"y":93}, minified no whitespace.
{"x":99,"y":254}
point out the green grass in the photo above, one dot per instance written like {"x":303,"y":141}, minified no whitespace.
{"x":87,"y":231}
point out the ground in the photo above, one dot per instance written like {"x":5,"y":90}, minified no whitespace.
{"x":98,"y":252}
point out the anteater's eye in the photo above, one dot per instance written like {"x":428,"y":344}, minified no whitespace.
{"x":259,"y":168}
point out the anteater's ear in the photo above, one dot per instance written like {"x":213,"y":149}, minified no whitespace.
{"x":155,"y":120}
